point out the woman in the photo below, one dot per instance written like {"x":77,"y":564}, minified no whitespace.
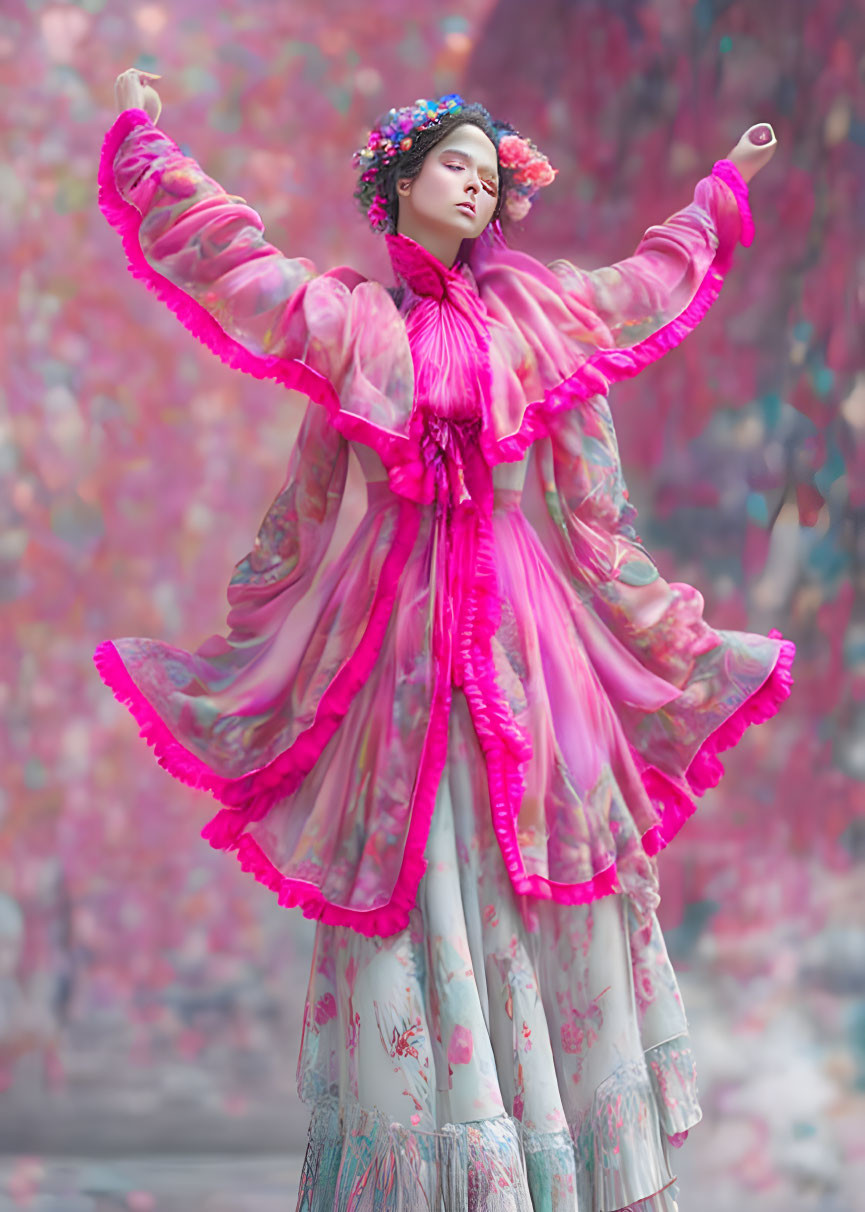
{"x":457,"y":738}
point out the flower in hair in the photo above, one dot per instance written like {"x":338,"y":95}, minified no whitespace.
{"x":377,"y":212}
{"x":513,"y":151}
{"x":394,"y":136}
{"x":528,"y":167}
{"x":524,"y":168}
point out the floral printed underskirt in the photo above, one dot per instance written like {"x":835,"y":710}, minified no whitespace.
{"x":500,"y":1054}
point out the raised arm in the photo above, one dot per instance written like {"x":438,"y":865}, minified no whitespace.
{"x":567,"y":333}
{"x":677,"y":263}
{"x":203,"y":251}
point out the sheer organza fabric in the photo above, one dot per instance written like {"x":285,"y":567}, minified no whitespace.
{"x":497,"y":555}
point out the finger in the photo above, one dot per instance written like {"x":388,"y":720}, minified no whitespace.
{"x":152,"y":103}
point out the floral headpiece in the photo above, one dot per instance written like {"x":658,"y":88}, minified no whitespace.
{"x":525,"y":169}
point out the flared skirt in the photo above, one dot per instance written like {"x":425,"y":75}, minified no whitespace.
{"x":500,"y":1054}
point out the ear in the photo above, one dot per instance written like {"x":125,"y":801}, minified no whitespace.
{"x":403,"y":187}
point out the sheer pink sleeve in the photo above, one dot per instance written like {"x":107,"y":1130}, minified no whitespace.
{"x":203,"y":252}
{"x":674,"y":262}
{"x":561,"y":335}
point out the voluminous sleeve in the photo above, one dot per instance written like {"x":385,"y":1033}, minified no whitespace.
{"x":635,"y":298}
{"x":562,"y":334}
{"x":203,"y":252}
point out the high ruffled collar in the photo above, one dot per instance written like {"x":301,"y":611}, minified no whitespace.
{"x":423,"y":273}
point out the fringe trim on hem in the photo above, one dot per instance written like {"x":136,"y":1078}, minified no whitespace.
{"x":617,"y":1157}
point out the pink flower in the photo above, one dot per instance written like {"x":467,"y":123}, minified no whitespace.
{"x":461,"y":1046}
{"x":539,"y":172}
{"x":514,"y":151}
{"x":325,"y":1009}
{"x":572,"y":1038}
{"x":517,"y":206}
{"x":377,"y":210}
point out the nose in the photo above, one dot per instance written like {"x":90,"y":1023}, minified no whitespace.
{"x":473,"y":184}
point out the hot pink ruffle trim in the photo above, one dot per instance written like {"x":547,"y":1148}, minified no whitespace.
{"x":252,"y":793}
{"x":395,"y":450}
{"x":502,"y":751}
{"x":169,"y":753}
{"x":706,"y":769}
{"x":255,"y":793}
{"x":609,"y":366}
{"x":381,"y":920}
{"x":399,"y":454}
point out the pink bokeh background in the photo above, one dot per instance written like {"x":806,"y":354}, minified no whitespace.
{"x":143,"y":977}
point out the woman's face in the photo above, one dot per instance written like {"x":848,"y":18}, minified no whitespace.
{"x":454,"y":195}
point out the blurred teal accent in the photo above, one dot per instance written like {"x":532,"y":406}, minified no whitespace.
{"x":636,"y":572}
{"x":856,"y":1037}
{"x":802,"y":330}
{"x":342,"y":98}
{"x":823,"y":379}
{"x":854,"y":650}
{"x":704,"y":15}
{"x":147,"y":62}
{"x":757,"y":509}
{"x":833,"y":468}
{"x":771,"y":404}
{"x":726,"y":44}
{"x":826,"y":560}
{"x":77,"y":522}
{"x":682,"y":939}
{"x":197,"y":79}
{"x":34,"y":774}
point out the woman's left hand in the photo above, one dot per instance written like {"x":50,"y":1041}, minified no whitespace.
{"x":755,"y":149}
{"x":132,"y":91}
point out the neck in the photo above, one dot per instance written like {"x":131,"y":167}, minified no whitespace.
{"x":443,"y":245}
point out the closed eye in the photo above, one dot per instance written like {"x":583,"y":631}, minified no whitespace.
{"x":488,"y":185}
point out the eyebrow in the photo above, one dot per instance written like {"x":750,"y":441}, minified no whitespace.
{"x":455,"y":151}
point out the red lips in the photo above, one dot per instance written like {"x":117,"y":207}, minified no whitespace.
{"x":468,"y":205}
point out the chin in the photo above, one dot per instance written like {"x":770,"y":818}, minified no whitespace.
{"x":471,"y":231}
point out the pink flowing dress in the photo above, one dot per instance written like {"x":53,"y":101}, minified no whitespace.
{"x":457,"y":728}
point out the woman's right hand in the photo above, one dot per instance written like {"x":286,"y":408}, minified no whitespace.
{"x":131,"y":91}
{"x":754,"y":150}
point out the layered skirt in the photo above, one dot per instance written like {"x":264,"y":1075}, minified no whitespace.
{"x":500,"y":1054}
